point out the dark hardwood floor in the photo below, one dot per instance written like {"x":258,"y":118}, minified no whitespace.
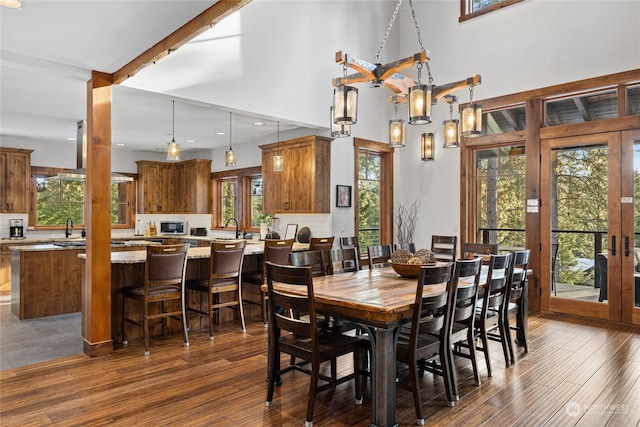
{"x":577,"y":372}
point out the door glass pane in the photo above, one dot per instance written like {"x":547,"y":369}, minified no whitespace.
{"x":369,"y":199}
{"x":579,"y":218}
{"x":500,"y":190}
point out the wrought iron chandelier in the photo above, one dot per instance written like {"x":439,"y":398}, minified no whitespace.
{"x":420,"y":96}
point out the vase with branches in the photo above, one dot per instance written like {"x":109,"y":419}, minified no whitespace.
{"x":406,"y":216}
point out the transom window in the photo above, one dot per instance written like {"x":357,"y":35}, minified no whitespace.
{"x":472,"y":8}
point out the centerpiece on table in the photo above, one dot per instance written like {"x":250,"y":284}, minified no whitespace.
{"x":407,"y":264}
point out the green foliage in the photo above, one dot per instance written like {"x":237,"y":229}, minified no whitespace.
{"x":257,"y":215}
{"x":369,"y":199}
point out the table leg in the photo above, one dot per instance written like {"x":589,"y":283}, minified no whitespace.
{"x":383,"y":376}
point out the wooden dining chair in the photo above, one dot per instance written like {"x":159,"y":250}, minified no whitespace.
{"x":321,"y":243}
{"x":299,"y":337}
{"x":471,"y":250}
{"x":518,"y":301}
{"x":352,"y":242}
{"x":423,"y":342}
{"x":444,"y":248}
{"x":379,"y":255}
{"x":225,"y":278}
{"x":411,"y":247}
{"x":319,"y":261}
{"x":276,"y":251}
{"x":164,"y":273}
{"x":466,"y":276}
{"x":345,"y":260}
{"x":489,"y":322}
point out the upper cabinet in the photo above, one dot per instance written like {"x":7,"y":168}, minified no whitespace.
{"x":15,"y":170}
{"x":304,"y":185}
{"x":180,"y":187}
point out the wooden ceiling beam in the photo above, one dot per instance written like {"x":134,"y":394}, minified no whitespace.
{"x":179,"y":37}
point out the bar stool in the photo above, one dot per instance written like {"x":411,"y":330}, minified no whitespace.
{"x":164,"y":274}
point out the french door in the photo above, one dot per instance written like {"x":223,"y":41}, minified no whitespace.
{"x":588,"y":217}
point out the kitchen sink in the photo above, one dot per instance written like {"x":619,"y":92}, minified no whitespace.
{"x":82,"y":243}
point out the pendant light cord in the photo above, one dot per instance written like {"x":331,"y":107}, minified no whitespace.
{"x":230,"y":130}
{"x":173,"y":119}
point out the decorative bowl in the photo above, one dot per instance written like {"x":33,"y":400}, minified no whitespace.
{"x":407,"y":270}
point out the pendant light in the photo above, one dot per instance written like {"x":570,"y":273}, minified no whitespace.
{"x":345,"y":103}
{"x":230,"y":155}
{"x":338,"y":131}
{"x":173,"y":150}
{"x":471,"y":117}
{"x":396,"y":130}
{"x":426,"y":146}
{"x":420,"y":100}
{"x":278,"y":159}
{"x":451,"y":139}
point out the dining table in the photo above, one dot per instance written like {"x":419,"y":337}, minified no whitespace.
{"x":381,"y":301}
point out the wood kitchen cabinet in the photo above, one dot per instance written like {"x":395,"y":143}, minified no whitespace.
{"x":192,"y":183}
{"x":15,"y":171}
{"x":304,"y":185}
{"x":181,"y":187}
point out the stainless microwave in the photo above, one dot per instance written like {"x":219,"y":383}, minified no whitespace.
{"x":173,"y":227}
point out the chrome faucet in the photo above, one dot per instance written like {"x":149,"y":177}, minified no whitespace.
{"x":69,"y":224}
{"x":237,"y":226}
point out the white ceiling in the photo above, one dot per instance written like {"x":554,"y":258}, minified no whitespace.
{"x":49,"y":48}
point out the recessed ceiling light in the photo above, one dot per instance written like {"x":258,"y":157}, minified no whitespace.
{"x":120,"y":144}
{"x":191,"y":140}
{"x":258,"y":123}
{"x":71,"y":138}
{"x":11,"y":4}
{"x":220,"y":133}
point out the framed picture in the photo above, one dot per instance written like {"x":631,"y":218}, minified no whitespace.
{"x":291,"y":231}
{"x":343,"y":196}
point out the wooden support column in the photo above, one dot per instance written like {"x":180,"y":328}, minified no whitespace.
{"x":532,"y":191}
{"x":96,"y":291}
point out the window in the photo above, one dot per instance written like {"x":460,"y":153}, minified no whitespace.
{"x":238,"y":194}
{"x":504,"y":120}
{"x":58,"y":199}
{"x":582,"y":108}
{"x":472,"y":8}
{"x":374,"y":193}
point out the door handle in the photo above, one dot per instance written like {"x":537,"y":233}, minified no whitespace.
{"x":626,"y":245}
{"x":613,"y":245}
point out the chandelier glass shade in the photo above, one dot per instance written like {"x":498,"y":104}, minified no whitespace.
{"x":420,"y":104}
{"x":396,"y":133}
{"x":345,"y":105}
{"x":451,"y":139}
{"x":471,"y":120}
{"x":426,"y":146}
{"x":338,"y":131}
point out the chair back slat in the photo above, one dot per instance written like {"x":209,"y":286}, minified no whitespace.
{"x":321,"y":243}
{"x":283,"y":304}
{"x":467,"y":271}
{"x":498,"y":283}
{"x":379,"y":255}
{"x":165,"y":265}
{"x":347,"y":258}
{"x":411,"y":247}
{"x":444,"y":247}
{"x":319,"y":261}
{"x":226,"y":259}
{"x":471,"y":250}
{"x":429,"y":312}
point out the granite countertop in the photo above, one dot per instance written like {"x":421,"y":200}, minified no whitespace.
{"x":134,"y":257}
{"x":78,"y":244}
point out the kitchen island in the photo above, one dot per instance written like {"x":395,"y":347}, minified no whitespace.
{"x":46,"y":278}
{"x":127,"y":268}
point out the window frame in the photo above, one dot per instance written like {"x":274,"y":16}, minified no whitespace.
{"x":52,"y":171}
{"x":243,"y":176}
{"x":465,"y":16}
{"x":386,"y":186}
